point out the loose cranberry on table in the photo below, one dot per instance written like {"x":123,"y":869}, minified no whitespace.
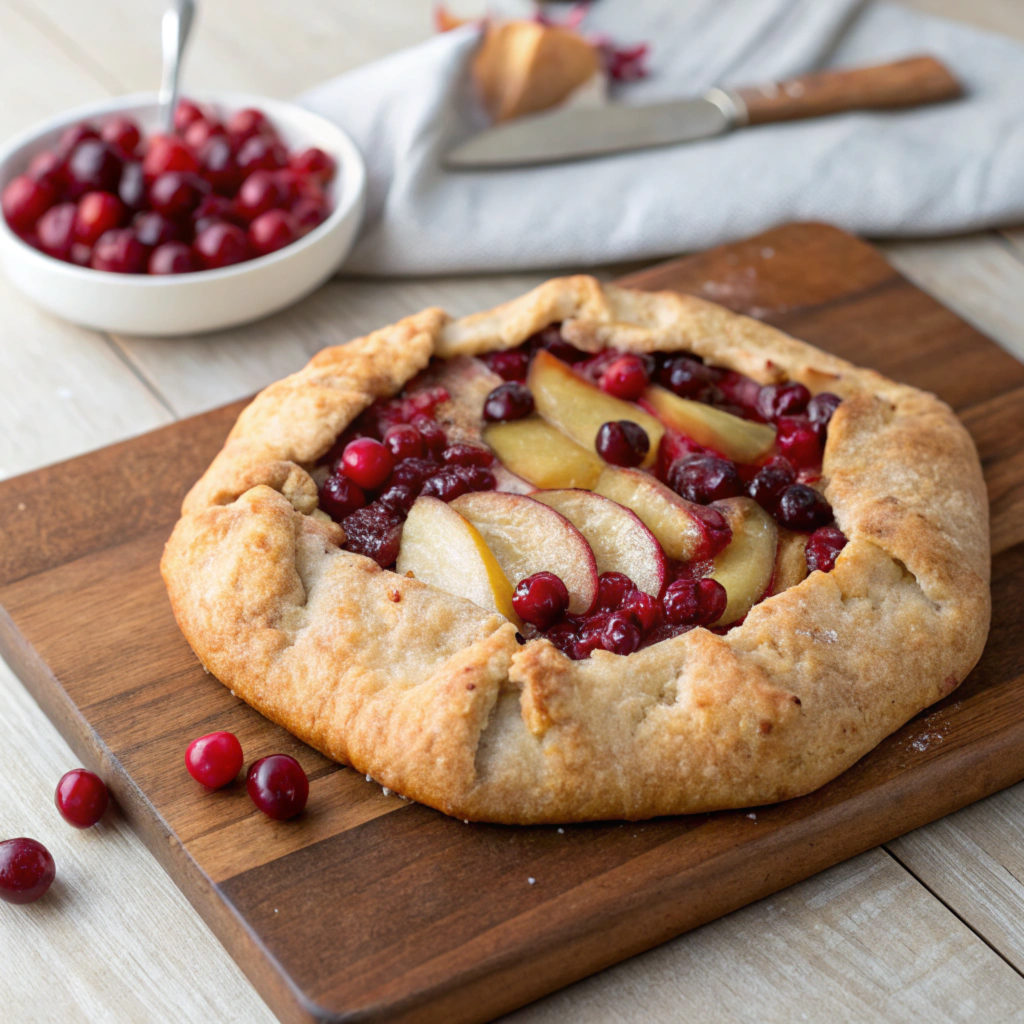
{"x":172,"y":258}
{"x":278,"y":786}
{"x":214,"y":759}
{"x":540,"y":599}
{"x":221,"y":245}
{"x":626,"y":378}
{"x":81,"y":797}
{"x":823,"y":547}
{"x":508,"y":401}
{"x":705,"y":478}
{"x":367,"y":462}
{"x":26,"y":870}
{"x":622,"y":443}
{"x":119,"y":252}
{"x":803,"y":508}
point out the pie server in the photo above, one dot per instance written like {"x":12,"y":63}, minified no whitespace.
{"x":576,"y":132}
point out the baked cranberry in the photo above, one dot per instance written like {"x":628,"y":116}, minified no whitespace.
{"x":620,"y":635}
{"x":803,"y":508}
{"x":81,"y":797}
{"x":243,"y":124}
{"x":153,"y":229}
{"x":711,"y":601}
{"x":186,"y":113}
{"x":563,"y":636}
{"x":313,"y":163}
{"x":367,"y":462}
{"x":681,"y":602}
{"x":167,"y":153}
{"x":622,"y":443}
{"x":374,"y":531}
{"x":56,"y":230}
{"x":26,"y":870}
{"x":260,"y":192}
{"x":132,"y":189}
{"x":221,"y":245}
{"x":278,"y":786}
{"x":588,"y":636}
{"x":550,"y":338}
{"x":272,"y":230}
{"x":448,"y":484}
{"x":797,"y":439}
{"x":775,"y":400}
{"x":25,"y":200}
{"x":467,"y":455}
{"x":820,"y":410}
{"x":626,"y":378}
{"x":770,"y":481}
{"x":686,"y":377}
{"x":717,"y":531}
{"x":172,"y":258}
{"x":72,"y":136}
{"x":98,"y":212}
{"x":404,"y":441}
{"x":200,"y":132}
{"x":508,"y":401}
{"x":741,"y":392}
{"x":643,"y":607}
{"x":540,"y":599}
{"x":510,"y":365}
{"x":261,"y":153}
{"x":340,"y":497}
{"x":823,"y":547}
{"x":123,"y":134}
{"x":215,"y":759}
{"x":433,"y":436}
{"x":309,"y":213}
{"x":93,"y":167}
{"x":612,"y":590}
{"x":705,"y":478}
{"x":48,"y":167}
{"x":412,"y":472}
{"x":119,"y":252}
{"x":176,"y":194}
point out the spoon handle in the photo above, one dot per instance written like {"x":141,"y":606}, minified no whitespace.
{"x":174,"y":30}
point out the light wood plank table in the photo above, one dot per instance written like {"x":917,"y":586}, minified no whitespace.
{"x":929,"y":926}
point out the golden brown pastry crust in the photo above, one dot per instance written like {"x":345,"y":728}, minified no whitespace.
{"x":433,"y":697}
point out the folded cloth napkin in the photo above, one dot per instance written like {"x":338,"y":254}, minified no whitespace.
{"x":930,"y":170}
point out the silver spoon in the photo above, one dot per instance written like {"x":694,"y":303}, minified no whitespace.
{"x":174,"y":30}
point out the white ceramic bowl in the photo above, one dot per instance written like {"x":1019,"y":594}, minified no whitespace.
{"x":205,"y":301}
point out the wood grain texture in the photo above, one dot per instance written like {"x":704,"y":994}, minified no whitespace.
{"x":373,"y":905}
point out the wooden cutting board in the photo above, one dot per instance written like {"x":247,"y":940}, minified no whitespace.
{"x":370,"y":908}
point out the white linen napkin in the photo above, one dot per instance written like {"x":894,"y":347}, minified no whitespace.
{"x":930,"y":170}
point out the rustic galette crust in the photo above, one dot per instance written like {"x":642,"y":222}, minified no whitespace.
{"x":433,"y":697}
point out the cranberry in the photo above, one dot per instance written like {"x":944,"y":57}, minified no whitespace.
{"x":119,"y":252}
{"x":81,"y":797}
{"x":508,"y":401}
{"x":540,"y":599}
{"x":367,"y":462}
{"x":278,"y":786}
{"x":56,"y":230}
{"x":717,"y":531}
{"x":643,"y":607}
{"x":741,"y":392}
{"x":550,"y":338}
{"x":626,"y":378}
{"x":823,"y":547}
{"x":448,"y":484}
{"x":200,"y":132}
{"x":340,"y":497}
{"x":26,"y":870}
{"x":72,"y":136}
{"x":820,"y":410}
{"x":260,"y":192}
{"x":185,"y":114}
{"x":81,"y":255}
{"x":432,"y":434}
{"x":705,"y":478}
{"x":153,"y":229}
{"x":261,"y":153}
{"x":48,"y":167}
{"x":214,"y":759}
{"x":132,"y":188}
{"x":563,"y":636}
{"x":93,"y":167}
{"x":309,"y":214}
{"x":797,"y":439}
{"x":167,"y":153}
{"x":98,"y":212}
{"x":123,"y":134}
{"x":803,"y":508}
{"x":313,"y":163}
{"x":622,"y":443}
{"x":414,"y":473}
{"x":711,"y":599}
{"x":681,"y":602}
{"x":510,"y":365}
{"x":176,"y":194}
{"x":399,"y":497}
{"x":620,"y":634}
{"x":686,"y":377}
{"x":775,"y":400}
{"x":404,"y":442}
{"x":221,"y":245}
{"x":770,"y":481}
{"x":612,"y":589}
{"x":25,"y":200}
{"x":467,"y":455}
{"x":172,"y":258}
{"x":217,"y":165}
{"x":589,"y":633}
{"x":243,"y":124}
{"x":273,"y":230}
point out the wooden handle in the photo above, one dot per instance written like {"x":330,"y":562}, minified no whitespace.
{"x":907,"y":83}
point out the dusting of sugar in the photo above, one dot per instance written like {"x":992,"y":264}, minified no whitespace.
{"x":368,"y":779}
{"x":385,"y":790}
{"x":820,"y":636}
{"x":752,"y":816}
{"x":532,"y":881}
{"x":561,"y":831}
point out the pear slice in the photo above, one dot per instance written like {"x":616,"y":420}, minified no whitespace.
{"x":746,"y":565}
{"x":735,"y":438}
{"x":580,"y":409}
{"x":543,"y":455}
{"x":790,"y":560}
{"x":616,"y":535}
{"x":441,"y":548}
{"x":526,"y":536}
{"x":679,"y":525}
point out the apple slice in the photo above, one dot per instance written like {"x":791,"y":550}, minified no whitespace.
{"x":616,"y":535}
{"x":746,"y":565}
{"x":538,"y":452}
{"x":527,"y":537}
{"x":441,"y":548}
{"x":790,"y":560}
{"x":736,"y":439}
{"x":579,"y":408}
{"x":684,"y":530}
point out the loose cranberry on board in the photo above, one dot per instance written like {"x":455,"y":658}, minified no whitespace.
{"x":215,"y":759}
{"x":278,"y":786}
{"x":27,"y":870}
{"x":81,"y":797}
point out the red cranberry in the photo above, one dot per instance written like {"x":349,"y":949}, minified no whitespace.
{"x":741,"y":392}
{"x":260,"y":192}
{"x":367,"y":462}
{"x":123,"y":134}
{"x":98,"y":212}
{"x":26,"y":870}
{"x":705,"y":478}
{"x":278,"y":786}
{"x":508,"y":401}
{"x":214,"y":759}
{"x":261,"y":153}
{"x":81,"y":255}
{"x":510,"y":365}
{"x":413,"y":472}
{"x":176,"y":194}
{"x":620,"y":634}
{"x":823,"y":547}
{"x":93,"y":167}
{"x":467,"y":455}
{"x":803,"y":508}
{"x":712,"y":599}
{"x":775,"y":400}
{"x":448,"y":484}
{"x":717,"y":531}
{"x":686,"y":377}
{"x":550,"y":338}
{"x":681,"y":602}
{"x":132,"y":189}
{"x":643,"y":607}
{"x":218,"y":166}
{"x":433,"y":436}
{"x":172,"y":258}
{"x":186,"y":113}
{"x":770,"y":481}
{"x":626,"y":378}
{"x":374,"y":531}
{"x":273,"y":230}
{"x":167,"y":153}
{"x":622,"y":443}
{"x":313,"y":163}
{"x":243,"y":124}
{"x":340,"y":497}
{"x":153,"y":229}
{"x":200,"y":132}
{"x":309,"y":213}
{"x":540,"y":599}
{"x":820,"y":410}
{"x":221,"y":245}
{"x":119,"y":252}
{"x":56,"y":230}
{"x":404,"y":442}
{"x":212,"y":210}
{"x":563,"y":636}
{"x":612,"y":589}
{"x":399,"y":497}
{"x":72,"y":136}
{"x":797,"y":439}
{"x":25,"y":200}
{"x":81,"y":797}
{"x":48,"y":167}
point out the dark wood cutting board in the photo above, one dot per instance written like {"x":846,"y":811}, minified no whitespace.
{"x":370,"y":908}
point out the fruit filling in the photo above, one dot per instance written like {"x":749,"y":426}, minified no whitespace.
{"x":603,"y":502}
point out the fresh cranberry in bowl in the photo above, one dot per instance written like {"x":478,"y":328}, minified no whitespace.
{"x":81,"y":798}
{"x":803,"y":508}
{"x":540,"y":599}
{"x":309,"y":213}
{"x":167,"y":153}
{"x":243,"y":124}
{"x":626,"y":378}
{"x":172,"y":258}
{"x":273,"y":230}
{"x":176,"y":194}
{"x":93,"y":166}
{"x":97,"y":213}
{"x":185,"y":114}
{"x":131,"y":189}
{"x":201,"y":131}
{"x":313,"y":163}
{"x":823,"y":547}
{"x":622,"y":443}
{"x":72,"y":136}
{"x":508,"y":401}
{"x":215,"y":759}
{"x":153,"y":229}
{"x":261,"y":153}
{"x":56,"y":230}
{"x":47,"y":166}
{"x":25,"y":200}
{"x":278,"y":786}
{"x":119,"y":252}
{"x":221,"y":245}
{"x":261,"y":191}
{"x":705,"y":478}
{"x":27,"y":870}
{"x":123,"y":134}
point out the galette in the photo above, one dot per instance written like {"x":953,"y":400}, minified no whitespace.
{"x":596,"y":553}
